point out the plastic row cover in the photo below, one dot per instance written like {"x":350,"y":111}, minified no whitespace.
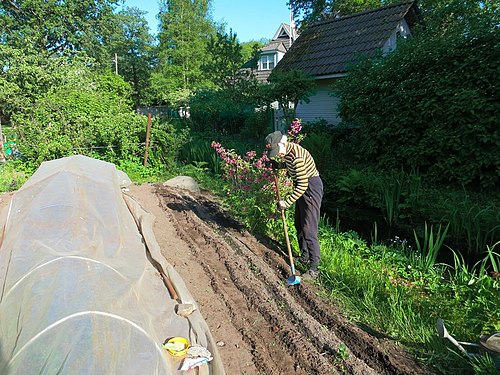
{"x":78,"y":294}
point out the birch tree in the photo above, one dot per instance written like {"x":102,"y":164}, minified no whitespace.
{"x":184,"y":32}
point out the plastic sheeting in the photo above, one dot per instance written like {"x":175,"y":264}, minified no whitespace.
{"x":78,"y":290}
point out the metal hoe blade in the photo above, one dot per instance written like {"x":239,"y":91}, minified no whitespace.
{"x":293,"y":280}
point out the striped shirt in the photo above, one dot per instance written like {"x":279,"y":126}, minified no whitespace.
{"x":300,"y":168}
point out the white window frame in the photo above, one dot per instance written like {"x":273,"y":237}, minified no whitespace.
{"x":267,"y":61}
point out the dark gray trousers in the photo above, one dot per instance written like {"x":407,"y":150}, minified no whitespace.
{"x":307,"y":213}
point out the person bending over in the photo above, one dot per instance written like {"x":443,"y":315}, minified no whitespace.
{"x":307,"y":194}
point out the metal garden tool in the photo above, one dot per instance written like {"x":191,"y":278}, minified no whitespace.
{"x":489,"y":343}
{"x":443,"y":333}
{"x":293,"y":279}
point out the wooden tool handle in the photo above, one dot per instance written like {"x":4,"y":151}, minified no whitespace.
{"x":283,"y":218}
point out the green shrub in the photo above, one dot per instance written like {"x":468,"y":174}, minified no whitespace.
{"x":258,"y":124}
{"x":432,"y":104}
{"x":319,"y":144}
{"x":166,"y":142}
{"x":198,"y":151}
{"x":78,"y":113}
{"x":223,"y":111}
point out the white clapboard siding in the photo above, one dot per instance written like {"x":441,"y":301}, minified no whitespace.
{"x":321,"y":106}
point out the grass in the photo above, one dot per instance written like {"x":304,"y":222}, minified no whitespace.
{"x":478,"y":223}
{"x":369,"y":284}
{"x":13,"y":175}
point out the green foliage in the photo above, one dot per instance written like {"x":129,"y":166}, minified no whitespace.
{"x":443,"y":119}
{"x":373,"y":283}
{"x":258,"y":123}
{"x":166,"y":141}
{"x":134,"y":50}
{"x":439,"y":15}
{"x":400,"y":193}
{"x":226,"y":59}
{"x":61,"y":108}
{"x":137,"y":172}
{"x":198,"y":151}
{"x":84,"y":115}
{"x":428,"y":250}
{"x":28,"y":75}
{"x":319,"y":145}
{"x":13,"y":174}
{"x":248,"y":50}
{"x":408,"y":198}
{"x":222,"y":111}
{"x":184,"y":33}
{"x":478,"y":225}
{"x":397,"y":195}
{"x":358,"y":187}
{"x":288,"y":88}
{"x":475,"y":292}
{"x":55,"y":27}
{"x":486,"y":365}
{"x":314,"y":11}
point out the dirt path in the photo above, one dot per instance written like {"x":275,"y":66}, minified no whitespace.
{"x":261,"y":325}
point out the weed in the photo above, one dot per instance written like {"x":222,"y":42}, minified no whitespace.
{"x":255,"y":269}
{"x":341,"y":356}
{"x":429,"y":249}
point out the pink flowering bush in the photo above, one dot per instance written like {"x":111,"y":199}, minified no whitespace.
{"x":250,"y":184}
{"x":244,"y":173}
{"x":251,"y":187}
{"x":294,"y":132}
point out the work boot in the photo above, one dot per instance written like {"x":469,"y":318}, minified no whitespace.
{"x":310,"y":275}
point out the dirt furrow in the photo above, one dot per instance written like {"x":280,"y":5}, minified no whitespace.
{"x":255,"y":329}
{"x":289,"y":329}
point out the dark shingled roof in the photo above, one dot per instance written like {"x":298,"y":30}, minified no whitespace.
{"x":327,"y":47}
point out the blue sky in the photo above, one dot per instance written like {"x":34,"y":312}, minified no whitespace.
{"x":250,"y":20}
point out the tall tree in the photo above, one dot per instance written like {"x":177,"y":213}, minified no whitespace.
{"x":440,"y":15}
{"x":225,"y":59}
{"x":134,"y":48}
{"x":248,"y":49}
{"x":444,"y":15}
{"x":57,"y":26}
{"x":185,"y":29}
{"x":317,"y":10}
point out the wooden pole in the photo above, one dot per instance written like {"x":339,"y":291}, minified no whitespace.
{"x":2,"y":154}
{"x":148,"y":129}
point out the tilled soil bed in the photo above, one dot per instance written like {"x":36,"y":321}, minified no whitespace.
{"x":262,"y":326}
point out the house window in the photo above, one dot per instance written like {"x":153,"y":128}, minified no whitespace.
{"x":267,"y":62}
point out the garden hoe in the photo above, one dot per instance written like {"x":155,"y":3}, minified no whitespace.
{"x":293,"y":279}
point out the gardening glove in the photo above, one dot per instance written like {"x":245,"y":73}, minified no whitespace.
{"x":281,"y":205}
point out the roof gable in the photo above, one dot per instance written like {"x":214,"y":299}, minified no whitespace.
{"x":327,"y":47}
{"x":282,"y":32}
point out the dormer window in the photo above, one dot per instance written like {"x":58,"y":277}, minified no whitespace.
{"x":267,"y":62}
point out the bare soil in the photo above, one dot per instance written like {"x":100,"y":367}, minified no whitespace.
{"x":262,"y":326}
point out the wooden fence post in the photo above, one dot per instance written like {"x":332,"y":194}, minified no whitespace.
{"x":147,"y":140}
{"x":2,"y":154}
